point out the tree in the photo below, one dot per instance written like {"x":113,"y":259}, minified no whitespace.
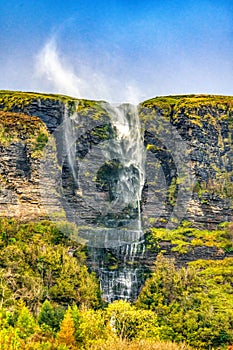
{"x":67,"y":330}
{"x":93,"y":328}
{"x":191,"y":305}
{"x":75,"y":313}
{"x":75,"y":285}
{"x":46,"y":315}
{"x":10,"y":339}
{"x":129,"y":323}
{"x":50,"y":315}
{"x":25,"y":323}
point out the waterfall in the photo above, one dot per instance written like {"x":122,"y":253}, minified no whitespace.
{"x":128,"y":148}
{"x":69,"y":140}
{"x":125,"y":280}
{"x":127,"y":151}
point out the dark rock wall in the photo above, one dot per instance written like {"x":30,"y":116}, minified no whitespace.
{"x":203,"y":122}
{"x":206,"y":128}
{"x":190,"y":134}
{"x":19,"y":167}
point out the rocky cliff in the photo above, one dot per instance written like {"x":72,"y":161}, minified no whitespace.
{"x":51,"y":166}
{"x":205,"y":125}
{"x":200,"y":126}
{"x":22,"y":139}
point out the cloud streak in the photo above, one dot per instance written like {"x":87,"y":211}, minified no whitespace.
{"x":60,"y":76}
{"x":117,"y":52}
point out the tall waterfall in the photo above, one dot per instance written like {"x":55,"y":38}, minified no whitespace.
{"x":70,"y":141}
{"x":126,"y":151}
{"x":128,"y":148}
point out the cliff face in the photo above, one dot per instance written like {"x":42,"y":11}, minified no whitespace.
{"x":28,"y":119}
{"x":22,"y":139}
{"x":205,"y":125}
{"x":202,"y":126}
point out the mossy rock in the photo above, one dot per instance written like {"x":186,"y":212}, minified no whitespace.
{"x":20,"y":101}
{"x":214,"y":108}
{"x":18,"y":127}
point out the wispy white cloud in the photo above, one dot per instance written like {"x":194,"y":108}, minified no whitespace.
{"x":49,"y":66}
{"x":119,"y":55}
{"x":57,"y":74}
{"x":132,"y":68}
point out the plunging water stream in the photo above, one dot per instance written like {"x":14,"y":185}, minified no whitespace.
{"x":120,"y":277}
{"x":128,"y":148}
{"x":124,"y":282}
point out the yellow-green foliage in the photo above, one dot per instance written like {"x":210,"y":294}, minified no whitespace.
{"x":10,"y":339}
{"x":67,"y":330}
{"x":191,"y":101}
{"x":221,"y":185}
{"x":11,"y":100}
{"x":130,"y":323}
{"x":93,"y":328}
{"x":172,"y":189}
{"x":191,"y":304}
{"x":219,"y":271}
{"x":16,"y":127}
{"x":186,"y":238}
{"x":189,"y":106}
{"x":37,"y":252}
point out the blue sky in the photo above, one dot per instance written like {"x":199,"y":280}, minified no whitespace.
{"x":117,"y":50}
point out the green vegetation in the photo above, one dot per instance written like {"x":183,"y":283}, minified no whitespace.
{"x":185,"y":237}
{"x":35,"y":265}
{"x":190,"y":304}
{"x":214,"y":109}
{"x":48,"y":299}
{"x":172,"y":191}
{"x":191,"y":103}
{"x":221,"y":186}
{"x":102,"y":133}
{"x":15,"y":127}
{"x":19,"y":101}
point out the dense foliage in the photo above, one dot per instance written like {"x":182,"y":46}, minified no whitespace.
{"x":186,"y":237}
{"x":194,"y":304}
{"x":37,"y":263}
{"x":49,"y":300}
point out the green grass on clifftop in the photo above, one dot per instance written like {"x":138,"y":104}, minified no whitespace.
{"x":9,"y":100}
{"x":189,"y":100}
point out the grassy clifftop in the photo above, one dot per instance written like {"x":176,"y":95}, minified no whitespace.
{"x":19,"y":100}
{"x":179,"y":101}
{"x":10,"y":99}
{"x":198,"y":108}
{"x":171,"y":98}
